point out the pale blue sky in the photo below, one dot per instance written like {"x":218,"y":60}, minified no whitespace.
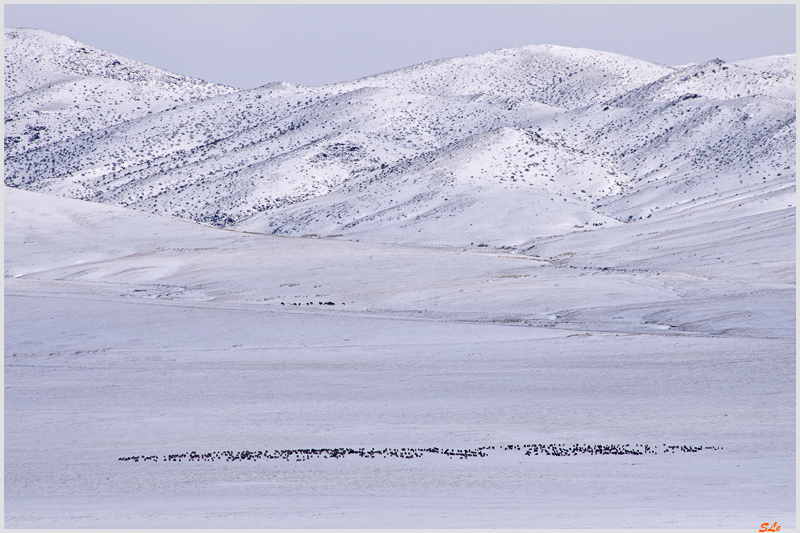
{"x":251,"y":45}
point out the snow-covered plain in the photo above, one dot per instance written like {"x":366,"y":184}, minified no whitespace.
{"x":133,"y":334}
{"x":634,"y":285}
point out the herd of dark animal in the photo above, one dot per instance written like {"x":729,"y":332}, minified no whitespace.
{"x":312,"y":303}
{"x":559,"y":450}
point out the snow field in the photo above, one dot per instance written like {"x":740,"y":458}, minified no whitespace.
{"x":170,"y":337}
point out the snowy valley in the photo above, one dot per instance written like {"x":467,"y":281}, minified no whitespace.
{"x":536,"y":245}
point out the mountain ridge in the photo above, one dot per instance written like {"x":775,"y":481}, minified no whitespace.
{"x":610,"y":138}
{"x":50,"y":74}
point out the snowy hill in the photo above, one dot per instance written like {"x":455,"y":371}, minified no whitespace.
{"x":495,"y":149}
{"x":57,"y":88}
{"x":554,"y":75}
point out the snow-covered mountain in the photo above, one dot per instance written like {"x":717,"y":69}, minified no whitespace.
{"x":556,"y":246}
{"x":500,"y":148}
{"x":57,"y":88}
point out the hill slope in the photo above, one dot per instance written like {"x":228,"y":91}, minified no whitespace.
{"x":57,"y":88}
{"x":498,"y":148}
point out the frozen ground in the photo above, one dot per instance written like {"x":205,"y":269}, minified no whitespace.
{"x":132,"y":334}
